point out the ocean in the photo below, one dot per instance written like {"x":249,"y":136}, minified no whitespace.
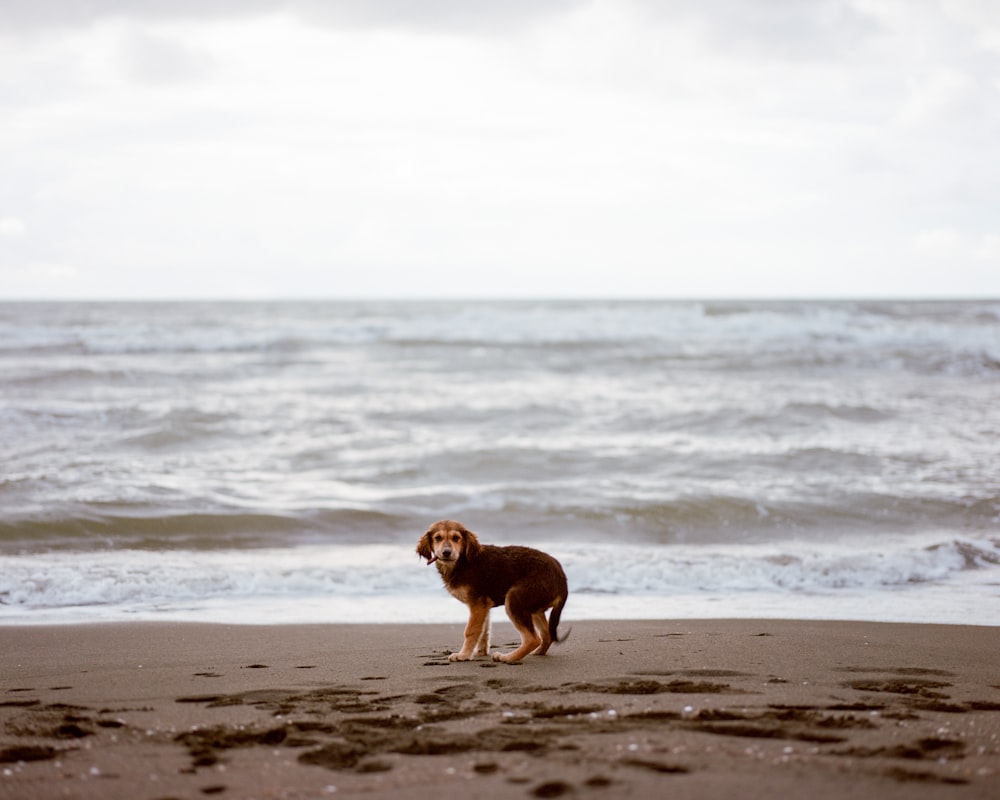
{"x":276,"y":462}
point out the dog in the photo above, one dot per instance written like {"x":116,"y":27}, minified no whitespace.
{"x":527,"y":582}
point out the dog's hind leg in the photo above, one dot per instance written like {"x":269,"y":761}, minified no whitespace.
{"x":522,"y":620}
{"x":541,"y":625}
{"x":483,"y":645}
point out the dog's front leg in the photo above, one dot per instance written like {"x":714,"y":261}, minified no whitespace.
{"x":478,"y":617}
{"x":483,"y":645}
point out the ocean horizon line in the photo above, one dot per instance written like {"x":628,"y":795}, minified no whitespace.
{"x":504,"y":299}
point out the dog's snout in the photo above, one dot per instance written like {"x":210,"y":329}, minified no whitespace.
{"x":446,"y":552}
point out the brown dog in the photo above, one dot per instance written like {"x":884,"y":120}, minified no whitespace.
{"x":527,"y":582}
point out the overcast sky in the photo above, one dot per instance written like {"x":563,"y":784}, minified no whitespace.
{"x":413,"y":148}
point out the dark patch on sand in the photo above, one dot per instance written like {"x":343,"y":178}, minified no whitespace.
{"x":284,"y":701}
{"x":336,"y":755}
{"x":777,"y":722}
{"x":905,"y":671}
{"x":54,"y":721}
{"x":651,"y":687}
{"x":374,"y":765}
{"x":912,"y":776}
{"x":26,"y":753}
{"x":982,"y":705}
{"x":808,"y":724}
{"x":655,"y":766}
{"x":927,"y":748}
{"x":694,"y":673}
{"x":199,"y":698}
{"x":552,"y":789}
{"x":654,"y":716}
{"x":908,"y":686}
{"x":943,"y":707}
{"x":202,"y":744}
{"x":764,"y":730}
{"x":544,"y":711}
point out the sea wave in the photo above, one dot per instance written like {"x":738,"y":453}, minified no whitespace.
{"x":185,"y":531}
{"x":132,"y":580}
{"x":526,"y":512}
{"x":215,"y":428}
{"x":923,"y":335}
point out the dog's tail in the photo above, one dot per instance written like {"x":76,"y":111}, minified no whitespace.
{"x":554,"y":619}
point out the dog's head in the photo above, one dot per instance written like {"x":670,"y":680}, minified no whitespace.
{"x":447,"y":541}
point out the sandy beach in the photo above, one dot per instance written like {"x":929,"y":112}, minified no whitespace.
{"x":621,"y":709}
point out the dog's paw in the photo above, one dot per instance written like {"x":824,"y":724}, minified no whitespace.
{"x":506,"y":659}
{"x":459,"y":657}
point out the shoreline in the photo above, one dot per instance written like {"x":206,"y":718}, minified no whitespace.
{"x":622,"y":708}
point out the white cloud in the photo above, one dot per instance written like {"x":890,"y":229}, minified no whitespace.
{"x":988,"y":249}
{"x":158,"y":59}
{"x":427,"y":15}
{"x":776,"y":29}
{"x":592,"y":147}
{"x":946,"y":95}
{"x":982,"y":17}
{"x":11,"y":226}
{"x":971,"y":254}
{"x":938,"y":243}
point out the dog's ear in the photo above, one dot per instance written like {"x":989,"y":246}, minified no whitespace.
{"x":424,"y":547}
{"x":471,"y":546}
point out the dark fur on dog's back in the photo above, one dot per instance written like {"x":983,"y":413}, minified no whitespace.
{"x":525,"y":580}
{"x":494,"y":570}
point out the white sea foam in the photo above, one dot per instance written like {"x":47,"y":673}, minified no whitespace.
{"x":932,"y":582}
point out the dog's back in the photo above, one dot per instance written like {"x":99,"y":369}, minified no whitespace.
{"x":539,"y":579}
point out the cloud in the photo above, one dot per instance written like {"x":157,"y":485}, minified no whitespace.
{"x":417,"y":15}
{"x":345,"y":148}
{"x":988,"y":249}
{"x":981,"y":16}
{"x":38,"y":15}
{"x":11,"y":227}
{"x":946,"y":95}
{"x":431,"y":15}
{"x":157,"y":59}
{"x":949,"y":245}
{"x":938,"y":243}
{"x":781,"y":29}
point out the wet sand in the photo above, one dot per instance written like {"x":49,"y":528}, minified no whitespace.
{"x":685,"y":709}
